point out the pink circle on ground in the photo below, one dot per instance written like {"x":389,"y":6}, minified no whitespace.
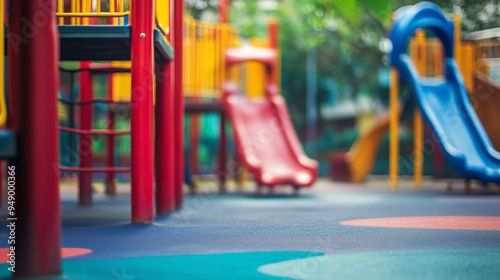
{"x":65,"y":253}
{"x":431,"y":222}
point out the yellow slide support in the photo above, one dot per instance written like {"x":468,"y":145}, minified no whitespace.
{"x":358,"y":162}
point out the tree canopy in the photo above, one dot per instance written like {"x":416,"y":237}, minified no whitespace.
{"x":350,"y":38}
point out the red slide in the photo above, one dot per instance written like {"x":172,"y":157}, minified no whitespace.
{"x":265,"y":139}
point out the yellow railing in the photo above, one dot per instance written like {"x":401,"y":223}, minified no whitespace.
{"x":204,"y":48}
{"x":431,"y":64}
{"x":427,"y":55}
{"x":488,"y":58}
{"x":107,"y":12}
{"x":204,"y":66}
{"x":110,"y":12}
{"x":79,"y":12}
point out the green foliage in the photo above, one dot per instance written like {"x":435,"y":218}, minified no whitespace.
{"x":347,"y":35}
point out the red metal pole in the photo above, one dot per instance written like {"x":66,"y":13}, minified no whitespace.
{"x":194,"y":142}
{"x":110,"y":175}
{"x":142,"y":112}
{"x":179,"y":102}
{"x":85,"y":141}
{"x":274,"y":44}
{"x":164,"y":141}
{"x":223,"y":9}
{"x":164,"y":144}
{"x":222,"y":172}
{"x":33,"y":83}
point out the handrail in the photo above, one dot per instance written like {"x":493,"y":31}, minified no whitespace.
{"x":94,"y":169}
{"x":93,"y":101}
{"x":79,"y":11}
{"x":97,"y":69}
{"x":93,"y":14}
{"x":204,"y":46}
{"x":93,"y":131}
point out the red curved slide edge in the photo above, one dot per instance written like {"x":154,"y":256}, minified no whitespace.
{"x":266,"y":140}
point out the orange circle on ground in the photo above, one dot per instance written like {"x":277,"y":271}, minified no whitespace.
{"x":65,"y":253}
{"x":431,"y":222}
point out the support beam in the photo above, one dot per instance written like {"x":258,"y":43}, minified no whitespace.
{"x":179,"y":102}
{"x":164,"y":136}
{"x":164,"y":140}
{"x":222,"y":173}
{"x":142,"y":111}
{"x":110,"y":160}
{"x":85,"y":141}
{"x":194,"y":141}
{"x":273,"y":30}
{"x":33,"y":83}
{"x":223,"y":10}
{"x":394,"y":130}
{"x":420,"y":60}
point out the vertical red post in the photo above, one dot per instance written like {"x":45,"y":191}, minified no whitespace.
{"x":274,"y":44}
{"x":110,"y":161}
{"x":164,"y":142}
{"x":85,"y":141}
{"x":179,"y":102}
{"x":142,"y":111}
{"x":194,"y":141}
{"x":222,"y":163}
{"x":110,"y":175}
{"x":223,"y":8}
{"x":33,"y":83}
{"x":222,"y":170}
{"x":438,"y":159}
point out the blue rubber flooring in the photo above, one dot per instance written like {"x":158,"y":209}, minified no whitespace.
{"x":241,"y":236}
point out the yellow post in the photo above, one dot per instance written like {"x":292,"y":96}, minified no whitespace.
{"x":86,"y":8}
{"x":60,"y":9}
{"x":3,"y":107}
{"x":72,"y":10}
{"x":121,"y":9}
{"x":394,"y":130}
{"x":418,"y":161}
{"x":420,"y":59}
{"x":255,"y":73}
{"x":223,"y":48}
{"x":473,"y":65}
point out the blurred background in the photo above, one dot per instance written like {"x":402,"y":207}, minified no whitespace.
{"x":334,"y":66}
{"x":334,"y":75}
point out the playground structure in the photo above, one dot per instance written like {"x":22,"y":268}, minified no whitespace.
{"x":89,"y":31}
{"x":485,"y":101}
{"x":136,"y":37}
{"x":135,"y":52}
{"x":216,"y":56}
{"x":205,"y":47}
{"x":426,"y":53}
{"x":264,"y":135}
{"x":443,"y":101}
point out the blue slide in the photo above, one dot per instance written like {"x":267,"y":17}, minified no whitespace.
{"x":444,"y":102}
